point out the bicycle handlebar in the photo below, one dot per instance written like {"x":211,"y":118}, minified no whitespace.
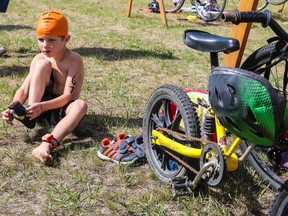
{"x":237,"y":17}
{"x":265,"y":18}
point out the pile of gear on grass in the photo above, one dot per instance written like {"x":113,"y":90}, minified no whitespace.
{"x":154,"y":8}
{"x":125,"y":149}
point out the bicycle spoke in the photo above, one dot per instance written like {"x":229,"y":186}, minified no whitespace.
{"x":168,"y":113}
{"x":158,"y":123}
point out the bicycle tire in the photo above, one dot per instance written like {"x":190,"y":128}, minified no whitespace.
{"x":255,"y":62}
{"x":276,"y":2}
{"x":261,"y":59}
{"x":173,"y":6}
{"x":262,"y":7}
{"x":279,"y":206}
{"x":159,"y":113}
{"x":210,"y":10}
{"x":267,"y":2}
{"x":263,"y":169}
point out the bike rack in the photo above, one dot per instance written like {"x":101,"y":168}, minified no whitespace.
{"x":240,"y":32}
{"x":281,"y":8}
{"x":161,"y":7}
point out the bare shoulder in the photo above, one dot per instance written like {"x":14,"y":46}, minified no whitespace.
{"x":75,"y":57}
{"x":75,"y":64}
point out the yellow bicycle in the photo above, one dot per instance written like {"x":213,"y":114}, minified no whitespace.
{"x":186,"y":133}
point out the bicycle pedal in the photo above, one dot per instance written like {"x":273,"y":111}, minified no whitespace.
{"x":180,"y":187}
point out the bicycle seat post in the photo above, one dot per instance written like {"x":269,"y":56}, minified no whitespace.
{"x":214,"y":60}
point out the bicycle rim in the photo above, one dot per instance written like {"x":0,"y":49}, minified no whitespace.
{"x":210,"y":10}
{"x":169,"y":107}
{"x":259,"y":62}
{"x":276,"y":2}
{"x":262,"y":7}
{"x":172,"y":6}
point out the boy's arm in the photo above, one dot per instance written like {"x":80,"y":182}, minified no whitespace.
{"x":21,"y":94}
{"x":75,"y":78}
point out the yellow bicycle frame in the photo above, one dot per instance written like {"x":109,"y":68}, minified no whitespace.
{"x":188,"y":151}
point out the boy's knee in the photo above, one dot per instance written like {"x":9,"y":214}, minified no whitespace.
{"x":82,"y":105}
{"x":43,"y":64}
{"x":78,"y":107}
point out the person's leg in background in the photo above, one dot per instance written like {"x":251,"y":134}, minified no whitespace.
{"x":3,"y":8}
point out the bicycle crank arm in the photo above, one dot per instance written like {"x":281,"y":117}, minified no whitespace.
{"x":207,"y":168}
{"x":181,"y":186}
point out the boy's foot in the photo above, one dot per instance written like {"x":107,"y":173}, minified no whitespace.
{"x":42,"y":153}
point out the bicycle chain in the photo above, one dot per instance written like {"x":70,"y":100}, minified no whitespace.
{"x":203,"y":141}
{"x":184,"y":163}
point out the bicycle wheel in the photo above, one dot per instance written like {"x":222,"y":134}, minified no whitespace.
{"x":268,"y":61}
{"x":258,"y":159}
{"x":279,"y":206}
{"x":169,"y":107}
{"x":172,"y":6}
{"x":276,"y":2}
{"x":210,"y":10}
{"x":262,"y":7}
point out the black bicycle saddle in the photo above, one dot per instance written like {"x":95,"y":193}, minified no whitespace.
{"x":206,"y":42}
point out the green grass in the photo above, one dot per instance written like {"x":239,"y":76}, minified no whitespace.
{"x":125,"y":59}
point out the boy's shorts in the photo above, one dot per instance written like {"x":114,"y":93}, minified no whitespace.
{"x":52,"y":116}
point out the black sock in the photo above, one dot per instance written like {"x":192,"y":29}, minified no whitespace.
{"x":19,"y":113}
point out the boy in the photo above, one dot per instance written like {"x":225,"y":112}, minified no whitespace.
{"x":52,"y":86}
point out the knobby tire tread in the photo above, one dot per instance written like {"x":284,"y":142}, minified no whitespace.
{"x":192,"y":127}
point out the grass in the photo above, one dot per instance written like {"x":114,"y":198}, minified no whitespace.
{"x":125,"y":59}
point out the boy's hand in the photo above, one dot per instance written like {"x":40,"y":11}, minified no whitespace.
{"x":34,"y":110}
{"x":7,"y":116}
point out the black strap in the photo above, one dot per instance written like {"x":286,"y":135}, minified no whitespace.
{"x":285,"y":79}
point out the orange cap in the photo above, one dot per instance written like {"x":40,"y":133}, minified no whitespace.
{"x":52,"y":22}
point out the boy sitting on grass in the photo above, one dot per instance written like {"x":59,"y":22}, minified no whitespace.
{"x":52,"y":86}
